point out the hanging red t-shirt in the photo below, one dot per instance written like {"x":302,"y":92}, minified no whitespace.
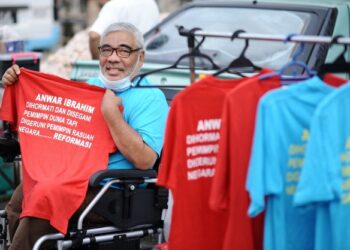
{"x":228,"y":190}
{"x":188,"y":160}
{"x":64,"y":140}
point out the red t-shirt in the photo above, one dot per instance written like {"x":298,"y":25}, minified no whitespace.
{"x":64,"y":140}
{"x":228,"y":190}
{"x":188,"y":160}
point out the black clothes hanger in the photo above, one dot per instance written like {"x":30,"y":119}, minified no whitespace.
{"x":241,"y":63}
{"x":194,"y":53}
{"x":339,"y":65}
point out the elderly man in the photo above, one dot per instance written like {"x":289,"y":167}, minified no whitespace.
{"x":137,"y":131}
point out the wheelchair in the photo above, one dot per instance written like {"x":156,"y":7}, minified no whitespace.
{"x":134,"y":211}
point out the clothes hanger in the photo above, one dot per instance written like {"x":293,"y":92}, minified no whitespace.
{"x":194,"y":53}
{"x":308,"y":72}
{"x":339,"y":65}
{"x":241,"y":62}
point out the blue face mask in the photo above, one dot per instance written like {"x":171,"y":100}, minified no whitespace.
{"x":116,"y":85}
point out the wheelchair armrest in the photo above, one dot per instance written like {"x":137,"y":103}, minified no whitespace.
{"x":121,"y":174}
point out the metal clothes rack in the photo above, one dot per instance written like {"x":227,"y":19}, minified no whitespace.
{"x":191,"y":34}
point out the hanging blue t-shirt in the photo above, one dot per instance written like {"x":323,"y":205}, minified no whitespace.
{"x":281,"y":134}
{"x":145,"y":110}
{"x":325,"y":178}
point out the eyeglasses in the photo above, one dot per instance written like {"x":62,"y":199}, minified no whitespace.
{"x":106,"y":50}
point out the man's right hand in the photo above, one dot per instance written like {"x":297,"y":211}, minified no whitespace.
{"x":11,"y":75}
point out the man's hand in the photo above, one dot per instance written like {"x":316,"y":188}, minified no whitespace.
{"x":11,"y":75}
{"x":110,"y":103}
{"x":110,"y":106}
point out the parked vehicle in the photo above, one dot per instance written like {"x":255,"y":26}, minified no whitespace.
{"x":34,"y":22}
{"x":275,"y":17}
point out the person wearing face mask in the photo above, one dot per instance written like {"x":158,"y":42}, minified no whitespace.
{"x":136,"y":119}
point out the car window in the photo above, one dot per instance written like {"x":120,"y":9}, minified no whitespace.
{"x":165,"y":45}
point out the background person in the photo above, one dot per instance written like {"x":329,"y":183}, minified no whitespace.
{"x":144,"y":14}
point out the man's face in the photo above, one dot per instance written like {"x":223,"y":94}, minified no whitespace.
{"x":114,"y":67}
